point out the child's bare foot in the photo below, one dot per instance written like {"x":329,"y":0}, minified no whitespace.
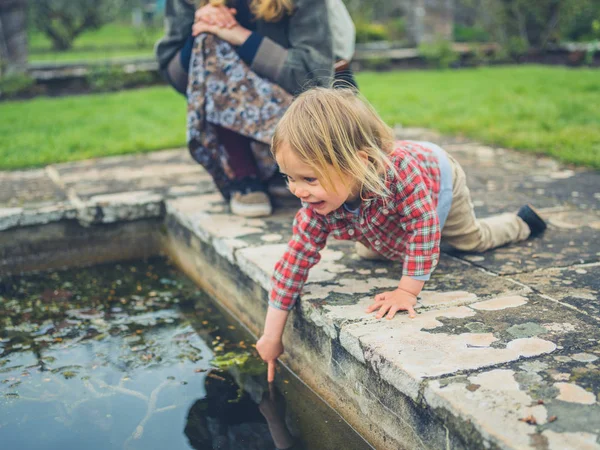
{"x":533,"y":220}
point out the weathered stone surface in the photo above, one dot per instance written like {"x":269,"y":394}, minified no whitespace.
{"x":28,"y":188}
{"x":165,"y":172}
{"x":559,"y":391}
{"x":125,"y":206}
{"x":31,"y":198}
{"x":10,"y":217}
{"x":494,"y":405}
{"x":100,"y":190}
{"x":207,"y":216}
{"x":509,"y":301}
{"x":502,"y":181}
{"x":38,"y":215}
{"x":577,"y":286}
{"x":572,"y":237}
{"x":575,"y":186}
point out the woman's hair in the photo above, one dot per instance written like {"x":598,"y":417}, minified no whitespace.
{"x":271,"y":10}
{"x":327,"y":128}
{"x":267,"y":10}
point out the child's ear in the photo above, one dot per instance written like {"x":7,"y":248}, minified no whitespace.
{"x":364,"y":157}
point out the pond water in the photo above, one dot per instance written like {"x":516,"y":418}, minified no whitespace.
{"x":134,"y":356}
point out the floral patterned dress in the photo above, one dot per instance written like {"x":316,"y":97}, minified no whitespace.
{"x":224,"y":91}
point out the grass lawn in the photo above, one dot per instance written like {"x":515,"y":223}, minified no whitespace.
{"x":46,"y":130}
{"x":551,"y":110}
{"x":110,"y":41}
{"x":540,"y":109}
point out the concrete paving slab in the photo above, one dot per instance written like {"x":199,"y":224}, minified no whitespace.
{"x":487,"y":160}
{"x":169,"y":172}
{"x":341,"y":280}
{"x":577,"y":286}
{"x":29,"y":188}
{"x":100,"y":190}
{"x":576,"y":186}
{"x":572,"y":237}
{"x":539,"y":180}
{"x":441,"y":342}
{"x":547,"y":402}
{"x":488,"y":202}
{"x":504,"y":405}
{"x":31,"y":197}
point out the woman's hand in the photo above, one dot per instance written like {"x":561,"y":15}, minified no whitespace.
{"x":220,"y":16}
{"x":269,"y":350}
{"x":393,"y":301}
{"x":235,"y":36}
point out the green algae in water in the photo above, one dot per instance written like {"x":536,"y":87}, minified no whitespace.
{"x":132,"y":356}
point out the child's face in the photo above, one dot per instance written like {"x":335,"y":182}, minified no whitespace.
{"x":303,"y":183}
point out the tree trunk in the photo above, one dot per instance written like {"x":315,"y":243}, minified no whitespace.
{"x":13,"y":36}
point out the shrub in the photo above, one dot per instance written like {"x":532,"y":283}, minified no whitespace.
{"x":479,"y":55}
{"x":376,"y":63}
{"x":106,"y":78}
{"x":113,"y":78}
{"x":516,"y":47}
{"x":13,"y":85}
{"x":370,"y":32}
{"x":464,"y":33}
{"x":439,"y":54}
{"x":396,"y":29}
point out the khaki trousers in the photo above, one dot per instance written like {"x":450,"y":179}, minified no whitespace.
{"x":465,"y":232}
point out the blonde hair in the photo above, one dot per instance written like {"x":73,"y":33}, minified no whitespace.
{"x":267,"y":10}
{"x":327,"y":128}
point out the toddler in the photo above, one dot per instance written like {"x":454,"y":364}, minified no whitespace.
{"x":396,"y":199}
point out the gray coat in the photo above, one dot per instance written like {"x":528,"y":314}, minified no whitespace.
{"x":296,"y":51}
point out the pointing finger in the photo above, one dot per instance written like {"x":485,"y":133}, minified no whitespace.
{"x":271,"y":391}
{"x":271,"y":371}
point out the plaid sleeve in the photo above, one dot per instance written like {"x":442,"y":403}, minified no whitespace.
{"x":309,"y":236}
{"x":419,"y":220}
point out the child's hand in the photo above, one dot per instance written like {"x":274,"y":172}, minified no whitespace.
{"x":269,"y":350}
{"x":393,"y":301}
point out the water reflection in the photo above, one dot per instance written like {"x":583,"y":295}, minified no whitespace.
{"x":134,"y":357}
{"x":227,"y":418}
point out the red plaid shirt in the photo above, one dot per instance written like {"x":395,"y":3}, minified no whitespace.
{"x":403,"y":226}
